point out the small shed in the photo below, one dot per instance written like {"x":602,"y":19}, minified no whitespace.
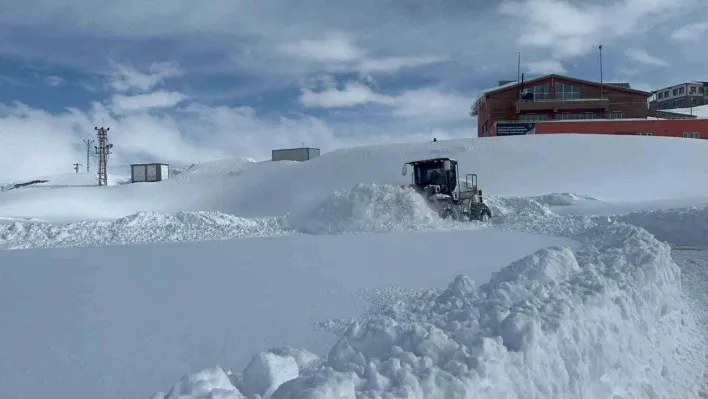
{"x":149,"y":172}
{"x":295,"y":154}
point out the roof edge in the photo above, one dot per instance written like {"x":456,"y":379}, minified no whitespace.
{"x":570,"y":78}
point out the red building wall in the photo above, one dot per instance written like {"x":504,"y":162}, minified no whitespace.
{"x":663,"y":127}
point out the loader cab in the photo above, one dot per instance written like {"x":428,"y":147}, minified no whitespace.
{"x":434,"y":172}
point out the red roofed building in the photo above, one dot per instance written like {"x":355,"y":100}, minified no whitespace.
{"x":561,"y":104}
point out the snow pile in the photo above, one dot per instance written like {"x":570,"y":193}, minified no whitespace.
{"x":530,"y":215}
{"x":603,"y":320}
{"x":263,"y":375}
{"x":140,"y":228}
{"x":684,"y":226}
{"x":222,"y":167}
{"x":561,"y":199}
{"x":372,"y":208}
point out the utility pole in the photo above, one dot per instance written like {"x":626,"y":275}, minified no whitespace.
{"x":601,"y":82}
{"x":76,"y":167}
{"x":103,"y":150}
{"x":518,"y":69}
{"x":88,"y":153}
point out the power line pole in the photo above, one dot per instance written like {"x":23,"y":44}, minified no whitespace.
{"x":76,"y":167}
{"x":88,"y":153}
{"x":103,"y":150}
{"x":601,"y":81}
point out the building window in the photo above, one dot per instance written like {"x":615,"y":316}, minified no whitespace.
{"x":700,"y":90}
{"x":539,"y":92}
{"x":666,"y":94}
{"x":644,"y":134}
{"x":566,"y":91}
{"x":680,"y":90}
{"x":691,"y":135}
{"x":616,"y":115}
{"x":692,"y":90}
{"x":660,"y":95}
{"x":577,"y":116}
{"x":533,"y":117}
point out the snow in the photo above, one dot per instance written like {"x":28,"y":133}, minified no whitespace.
{"x":597,"y":166}
{"x":700,"y":111}
{"x":115,"y":177}
{"x":125,"y":321}
{"x":327,"y":279}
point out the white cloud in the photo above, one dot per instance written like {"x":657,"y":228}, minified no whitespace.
{"x":124,"y":77}
{"x":143,"y":102}
{"x":54,"y":81}
{"x":692,"y":32}
{"x":429,"y":104}
{"x":352,"y":95}
{"x":334,"y":47}
{"x":573,"y":29}
{"x":546,"y":67}
{"x":34,"y":142}
{"x":641,"y":56}
{"x":338,"y":52}
{"x":394,"y":64}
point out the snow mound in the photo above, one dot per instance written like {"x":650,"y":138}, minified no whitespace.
{"x":685,"y":226}
{"x":372,"y":208}
{"x":603,"y":320}
{"x":266,"y":372}
{"x":561,"y":199}
{"x":222,"y":167}
{"x":140,"y":228}
{"x":530,"y":215}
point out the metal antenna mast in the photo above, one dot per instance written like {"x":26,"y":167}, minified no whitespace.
{"x":103,"y":150}
{"x":88,"y":153}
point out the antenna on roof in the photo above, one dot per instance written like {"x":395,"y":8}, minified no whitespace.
{"x":518,"y":70}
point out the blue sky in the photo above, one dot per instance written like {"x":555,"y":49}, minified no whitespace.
{"x":183,"y":81}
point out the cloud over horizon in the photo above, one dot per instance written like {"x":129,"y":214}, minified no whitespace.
{"x":188,"y":81}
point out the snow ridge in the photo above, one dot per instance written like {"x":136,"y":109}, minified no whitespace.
{"x":372,"y":208}
{"x":685,"y":226}
{"x":140,"y":228}
{"x":603,"y":320}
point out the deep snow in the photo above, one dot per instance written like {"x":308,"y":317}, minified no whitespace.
{"x":108,"y":322}
{"x":608,"y":168}
{"x":599,"y":313}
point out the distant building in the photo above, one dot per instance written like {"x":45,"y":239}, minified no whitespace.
{"x":559,"y":104}
{"x":685,"y":128}
{"x":683,"y":95}
{"x":295,"y":154}
{"x":149,"y":172}
{"x":557,"y":97}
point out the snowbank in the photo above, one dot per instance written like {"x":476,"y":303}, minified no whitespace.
{"x":222,"y":167}
{"x":684,"y":226}
{"x":506,"y":166}
{"x":141,"y":228}
{"x":372,"y":208}
{"x":602,"y":320}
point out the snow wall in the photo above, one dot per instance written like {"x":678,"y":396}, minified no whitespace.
{"x":604,"y":320}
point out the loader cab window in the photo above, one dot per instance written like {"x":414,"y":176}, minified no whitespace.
{"x":434,"y":173}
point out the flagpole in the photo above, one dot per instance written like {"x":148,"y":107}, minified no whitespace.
{"x":601,"y":82}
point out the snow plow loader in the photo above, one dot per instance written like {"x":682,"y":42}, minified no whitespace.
{"x":437,"y":181}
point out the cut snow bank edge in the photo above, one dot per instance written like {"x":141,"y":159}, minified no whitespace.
{"x":604,"y":320}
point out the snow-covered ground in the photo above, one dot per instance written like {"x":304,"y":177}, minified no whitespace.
{"x":340,"y":283}
{"x":701,"y":111}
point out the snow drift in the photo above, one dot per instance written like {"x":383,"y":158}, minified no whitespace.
{"x":141,"y":228}
{"x":372,"y":208}
{"x":507,"y":166}
{"x":683,"y":226}
{"x":603,"y":320}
